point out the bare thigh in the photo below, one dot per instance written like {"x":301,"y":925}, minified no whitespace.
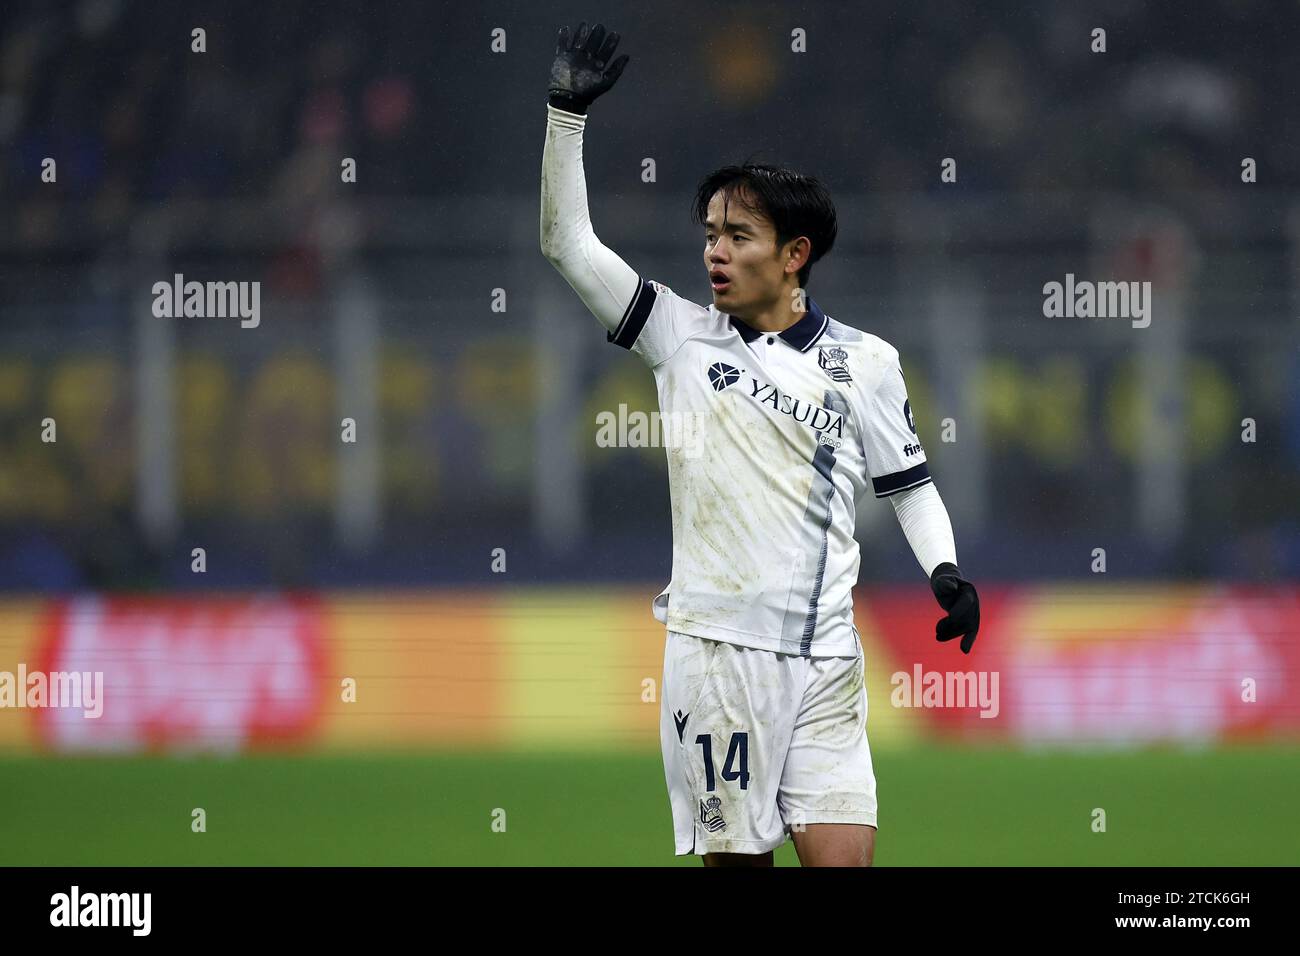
{"x":835,"y":844}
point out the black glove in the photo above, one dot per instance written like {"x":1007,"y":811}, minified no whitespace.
{"x":957,"y":596}
{"x":582,"y":71}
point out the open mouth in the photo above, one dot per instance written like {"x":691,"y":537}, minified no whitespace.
{"x":719,"y":281}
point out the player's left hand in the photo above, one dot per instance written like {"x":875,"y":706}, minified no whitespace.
{"x":957,"y":596}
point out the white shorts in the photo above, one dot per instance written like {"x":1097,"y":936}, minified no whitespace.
{"x":757,"y":742}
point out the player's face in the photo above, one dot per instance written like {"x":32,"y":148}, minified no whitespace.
{"x":741,"y":256}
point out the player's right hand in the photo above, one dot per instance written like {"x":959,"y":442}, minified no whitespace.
{"x":582,"y":70}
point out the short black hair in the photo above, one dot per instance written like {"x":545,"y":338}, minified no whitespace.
{"x":797,"y":205}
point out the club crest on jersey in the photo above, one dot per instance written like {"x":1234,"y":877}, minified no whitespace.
{"x":721,"y":375}
{"x":834,"y":362}
{"x":711,"y":814}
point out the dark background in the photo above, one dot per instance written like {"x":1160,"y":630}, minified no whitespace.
{"x":477,"y":427}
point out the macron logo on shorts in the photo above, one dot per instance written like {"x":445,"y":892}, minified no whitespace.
{"x":680,"y":720}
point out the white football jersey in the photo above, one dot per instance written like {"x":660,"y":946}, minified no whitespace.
{"x":771,"y":438}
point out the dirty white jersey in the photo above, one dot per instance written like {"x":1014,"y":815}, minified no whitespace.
{"x":771,"y":438}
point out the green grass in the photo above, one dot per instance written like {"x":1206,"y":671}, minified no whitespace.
{"x":938,"y":806}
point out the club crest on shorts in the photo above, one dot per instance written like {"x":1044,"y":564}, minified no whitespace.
{"x":834,"y":362}
{"x":711,"y":814}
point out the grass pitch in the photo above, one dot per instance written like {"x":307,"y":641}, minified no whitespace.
{"x":939,"y":806}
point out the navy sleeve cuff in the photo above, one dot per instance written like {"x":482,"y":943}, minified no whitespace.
{"x":913,"y":477}
{"x":634,"y":319}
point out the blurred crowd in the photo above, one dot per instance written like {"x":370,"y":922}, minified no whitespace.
{"x":437,"y":100}
{"x":416,"y":94}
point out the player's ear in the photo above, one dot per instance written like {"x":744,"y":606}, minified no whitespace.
{"x":798,"y":252}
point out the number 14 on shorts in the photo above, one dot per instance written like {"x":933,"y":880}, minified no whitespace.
{"x":739,"y":748}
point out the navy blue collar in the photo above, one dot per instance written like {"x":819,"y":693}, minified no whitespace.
{"x":801,"y":335}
